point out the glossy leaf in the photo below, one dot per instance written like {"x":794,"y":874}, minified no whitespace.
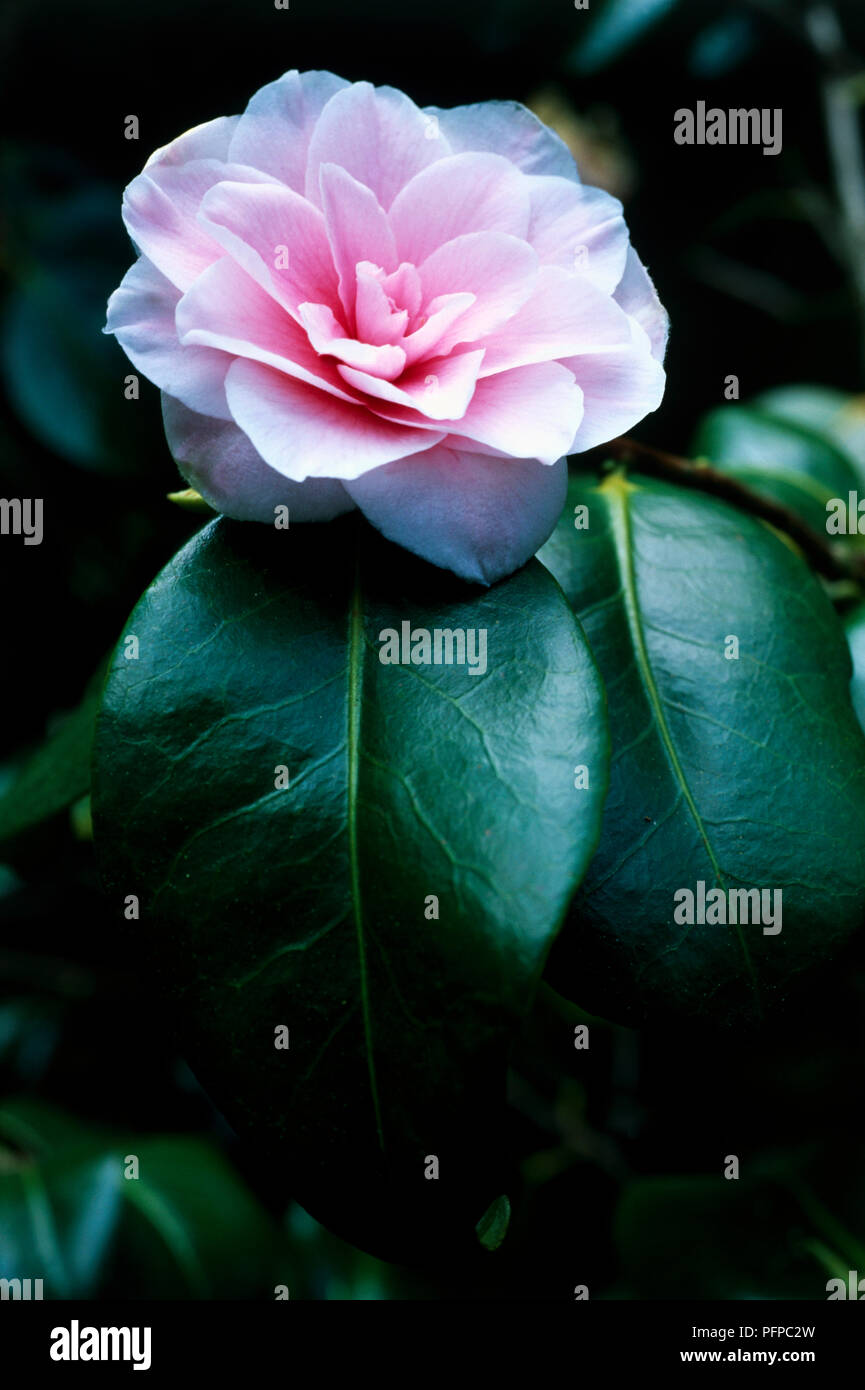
{"x":854,"y":624}
{"x":392,"y":906}
{"x":833,"y":414}
{"x":740,"y":772}
{"x":782,"y":458}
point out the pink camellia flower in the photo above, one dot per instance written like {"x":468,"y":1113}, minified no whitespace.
{"x":351,"y":302}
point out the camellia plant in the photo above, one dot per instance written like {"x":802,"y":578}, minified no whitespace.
{"x":365,"y":769}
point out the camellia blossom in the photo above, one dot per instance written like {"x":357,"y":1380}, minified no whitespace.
{"x":351,"y":302}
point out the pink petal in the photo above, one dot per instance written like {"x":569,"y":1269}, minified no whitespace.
{"x":509,"y":129}
{"x":639,"y":298}
{"x":210,"y":140}
{"x":440,"y":389}
{"x":225,"y":309}
{"x":567,"y":314}
{"x":377,"y":135}
{"x":357,"y":230}
{"x":499,"y":270}
{"x":620,"y":386}
{"x":274,"y":131}
{"x":218,"y":460}
{"x":463,"y":193}
{"x":376,"y":322}
{"x":530,"y":412}
{"x":404,"y":287}
{"x":303,"y":432}
{"x":326,"y":335}
{"x":258,"y":225}
{"x":480,"y":517}
{"x":579,"y":228}
{"x":141,"y":316}
{"x":444,"y":310}
{"x":160,"y":209}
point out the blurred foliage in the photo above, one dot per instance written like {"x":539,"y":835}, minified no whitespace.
{"x":791,"y":445}
{"x":620,"y":1149}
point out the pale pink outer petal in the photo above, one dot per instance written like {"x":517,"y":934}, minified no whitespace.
{"x":579,"y":228}
{"x":141,"y":316}
{"x":440,"y":389}
{"x":304,"y":433}
{"x":460,"y":194}
{"x":274,"y":131}
{"x":225,"y":309}
{"x":639,"y":298}
{"x":210,"y":140}
{"x":217,"y":459}
{"x":620,"y":387}
{"x":565,"y":315}
{"x":478,"y":516}
{"x":377,"y":135}
{"x":357,"y":229}
{"x":509,"y":129}
{"x":499,"y":270}
{"x":257,"y":224}
{"x":160,"y":210}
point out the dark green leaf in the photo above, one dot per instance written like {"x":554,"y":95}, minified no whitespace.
{"x":310,"y":906}
{"x":172,"y":1240}
{"x":57,"y":773}
{"x":740,"y":773}
{"x":788,"y":461}
{"x":73,"y":1214}
{"x":493,"y":1225}
{"x":855,"y":627}
{"x":832,"y":414}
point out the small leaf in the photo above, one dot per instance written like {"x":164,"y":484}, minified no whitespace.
{"x":371,"y":857}
{"x":493,"y":1225}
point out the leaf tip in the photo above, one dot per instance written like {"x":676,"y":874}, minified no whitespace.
{"x":191,"y":501}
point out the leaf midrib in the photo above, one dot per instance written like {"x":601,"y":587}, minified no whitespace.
{"x":617,"y":491}
{"x":354,"y":698}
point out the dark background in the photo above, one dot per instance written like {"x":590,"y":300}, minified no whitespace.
{"x":621,"y":1147}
